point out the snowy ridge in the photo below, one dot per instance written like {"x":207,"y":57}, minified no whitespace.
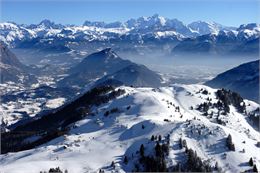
{"x":94,"y":142}
{"x":12,"y":34}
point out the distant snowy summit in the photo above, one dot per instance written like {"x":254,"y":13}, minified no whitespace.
{"x":142,"y":29}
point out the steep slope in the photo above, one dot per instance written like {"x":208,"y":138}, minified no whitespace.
{"x":12,"y":70}
{"x":243,"y":79}
{"x":135,"y":75}
{"x":108,"y":64}
{"x":110,"y":134}
{"x":94,"y":67}
{"x":203,"y":28}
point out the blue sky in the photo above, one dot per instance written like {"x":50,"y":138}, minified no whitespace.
{"x":227,"y":12}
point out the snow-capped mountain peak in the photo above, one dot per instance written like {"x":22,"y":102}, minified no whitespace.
{"x":137,"y":30}
{"x":205,"y":27}
{"x":46,"y":23}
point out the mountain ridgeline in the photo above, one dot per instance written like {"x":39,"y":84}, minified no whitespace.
{"x":107,"y":67}
{"x":243,"y":41}
{"x":243,"y":79}
{"x":168,"y":35}
{"x":140,"y":120}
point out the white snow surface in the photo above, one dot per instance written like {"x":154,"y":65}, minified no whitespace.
{"x":54,"y":103}
{"x":94,"y":142}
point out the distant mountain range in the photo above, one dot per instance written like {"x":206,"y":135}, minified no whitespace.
{"x":199,"y":37}
{"x":243,"y":79}
{"x":243,"y":40}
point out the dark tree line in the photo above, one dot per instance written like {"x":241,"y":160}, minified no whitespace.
{"x":228,"y":97}
{"x":56,"y":123}
{"x":254,"y":117}
{"x":55,"y":170}
{"x":193,"y":163}
{"x":157,"y":161}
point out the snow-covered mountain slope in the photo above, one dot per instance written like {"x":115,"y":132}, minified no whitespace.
{"x":249,"y":31}
{"x":111,"y":137}
{"x":205,"y":27}
{"x":243,"y":79}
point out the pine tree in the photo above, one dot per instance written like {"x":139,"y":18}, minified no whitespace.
{"x":113,"y":164}
{"x":152,"y":138}
{"x":158,"y":150}
{"x":178,"y":167}
{"x":216,"y":166}
{"x":232,"y":147}
{"x":142,"y":150}
{"x":229,"y":139}
{"x":165,"y":149}
{"x":125,"y":160}
{"x":180,"y":143}
{"x":230,"y":144}
{"x":160,"y":138}
{"x":255,"y":169}
{"x":251,"y":163}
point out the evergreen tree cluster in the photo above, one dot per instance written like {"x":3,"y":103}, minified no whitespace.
{"x":204,"y":107}
{"x":55,"y":170}
{"x":205,"y":92}
{"x":113,"y":110}
{"x":193,"y":163}
{"x":156,"y":162}
{"x":251,"y":163}
{"x":254,"y":117}
{"x":225,"y":99}
{"x":182,"y":143}
{"x":228,"y":97}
